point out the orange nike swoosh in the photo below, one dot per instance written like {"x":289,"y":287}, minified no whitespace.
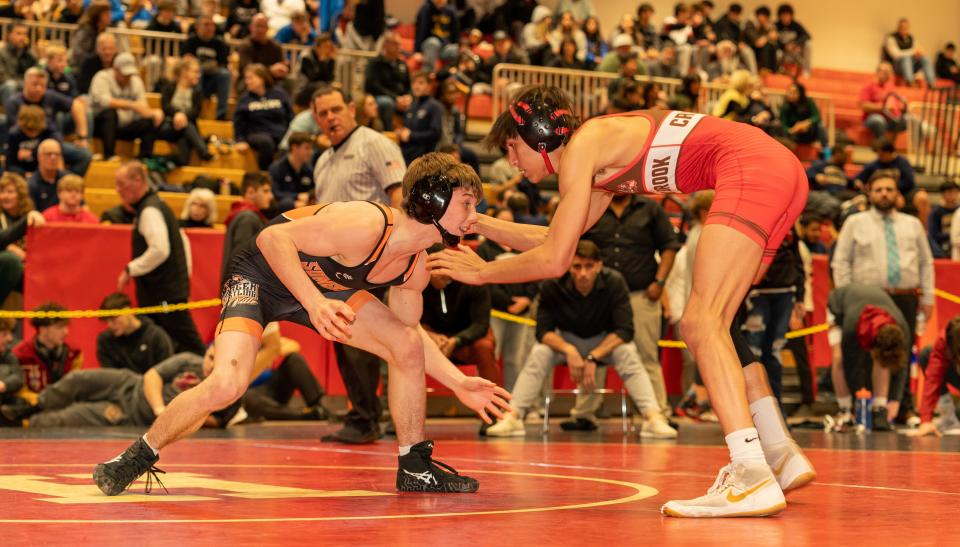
{"x":734,"y":498}
{"x":779,"y":470}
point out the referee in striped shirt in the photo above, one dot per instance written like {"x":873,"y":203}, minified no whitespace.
{"x":361,"y":164}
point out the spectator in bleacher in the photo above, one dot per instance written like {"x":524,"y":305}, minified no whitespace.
{"x":11,"y":375}
{"x":809,"y":229}
{"x":906,"y":57}
{"x":93,"y":24}
{"x":568,"y":29}
{"x":387,"y":78}
{"x":584,"y":320}
{"x":159,"y":267}
{"x":629,"y":69}
{"x":830,"y":175}
{"x":762,"y":36}
{"x":652,"y":42}
{"x":947,"y":67}
{"x":58,"y":108}
{"x":246,"y":217}
{"x":704,"y":39}
{"x":687,"y":98}
{"x":437,"y":33}
{"x":874,"y":345}
{"x":106,"y":51}
{"x":292,"y":174}
{"x":666,"y":65}
{"x":181,"y":101}
{"x":622,"y":51}
{"x":368,"y":115}
{"x":800,"y":116}
{"x":130,"y":342}
{"x":259,"y":48}
{"x":883,"y":248}
{"x":504,"y":51}
{"x":279,"y":13}
{"x":262,"y":115}
{"x":730,"y":27}
{"x":794,"y":40}
{"x":596,"y":45}
{"x":47,"y":357}
{"x":165,"y":18}
{"x":512,"y":298}
{"x":580,"y":10}
{"x":57,"y":78}
{"x":725,"y":63}
{"x":298,"y":32}
{"x":423,"y":122}
{"x":734,"y":101}
{"x":199,"y":209}
{"x":361,"y":164}
{"x":212,"y":52}
{"x":630,"y":234}
{"x":628,"y":27}
{"x":317,"y":67}
{"x":25,"y":138}
{"x":453,"y":124}
{"x":43,"y":182}
{"x":241,"y":15}
{"x":71,"y":12}
{"x":914,"y":200}
{"x":941,"y":219}
{"x":456,"y":317}
{"x":566,"y":56}
{"x":120,"y":106}
{"x":883,"y":109}
{"x":535,"y":36}
{"x":70,"y":203}
{"x":210,"y":8}
{"x":15,"y":59}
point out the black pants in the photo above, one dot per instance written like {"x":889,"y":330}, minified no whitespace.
{"x":361,"y":376}
{"x":182,"y":330}
{"x":908,"y":305}
{"x":270,"y":399}
{"x":107,"y":127}
{"x":265,"y":147}
{"x":187,"y":140}
{"x":798,"y":347}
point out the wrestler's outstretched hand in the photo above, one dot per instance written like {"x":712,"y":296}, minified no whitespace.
{"x":462,"y":264}
{"x":483,"y":397}
{"x":332,"y":318}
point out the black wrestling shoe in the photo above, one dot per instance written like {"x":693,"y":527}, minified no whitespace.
{"x":880,"y":421}
{"x":116,"y":475}
{"x":419,"y":472}
{"x":349,"y":434}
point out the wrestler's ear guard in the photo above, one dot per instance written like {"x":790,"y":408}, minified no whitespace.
{"x":429,"y":199}
{"x":543,"y":127}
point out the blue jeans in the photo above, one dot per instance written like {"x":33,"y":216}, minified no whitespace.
{"x":386,"y":106}
{"x":433,"y":49}
{"x":768,"y":318}
{"x":907,"y":66}
{"x":878,"y":124}
{"x":217,"y":83}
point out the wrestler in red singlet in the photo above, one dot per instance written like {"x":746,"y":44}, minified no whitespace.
{"x":761,"y":187}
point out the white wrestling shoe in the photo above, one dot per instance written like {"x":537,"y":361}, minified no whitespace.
{"x":508,"y":426}
{"x":789,"y":465}
{"x":741,"y":490}
{"x":657,"y":428}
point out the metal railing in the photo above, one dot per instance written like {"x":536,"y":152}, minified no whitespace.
{"x":933,"y":129}
{"x":588,"y":90}
{"x":152,"y":49}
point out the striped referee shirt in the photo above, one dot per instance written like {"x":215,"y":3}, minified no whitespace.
{"x":361,"y":167}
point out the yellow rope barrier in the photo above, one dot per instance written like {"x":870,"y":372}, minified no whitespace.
{"x":99,"y":314}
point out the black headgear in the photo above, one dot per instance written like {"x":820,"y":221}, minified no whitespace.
{"x":544,"y":127}
{"x":428,"y":200}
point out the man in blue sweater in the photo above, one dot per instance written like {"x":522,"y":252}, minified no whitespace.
{"x":423,"y":122}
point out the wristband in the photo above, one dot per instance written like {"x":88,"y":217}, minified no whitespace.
{"x":590,"y":357}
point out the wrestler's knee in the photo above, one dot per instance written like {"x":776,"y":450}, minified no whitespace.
{"x":406,"y":349}
{"x":223,"y":388}
{"x":698,"y":322}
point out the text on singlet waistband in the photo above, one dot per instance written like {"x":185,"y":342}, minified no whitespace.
{"x":660,"y":165}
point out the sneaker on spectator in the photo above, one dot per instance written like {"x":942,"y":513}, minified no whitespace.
{"x":947,"y":414}
{"x":789,"y":465}
{"x":843,"y":422}
{"x":508,"y":426}
{"x":657,"y":428}
{"x":579,"y":424}
{"x":533,"y":417}
{"x":880,"y":421}
{"x":742,"y":489}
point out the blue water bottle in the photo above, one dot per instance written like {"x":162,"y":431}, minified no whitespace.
{"x":864,"y":415}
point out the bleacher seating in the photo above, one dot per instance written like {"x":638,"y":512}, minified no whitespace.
{"x":99,"y":200}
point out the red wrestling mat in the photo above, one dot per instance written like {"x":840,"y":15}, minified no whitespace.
{"x":269,"y":492}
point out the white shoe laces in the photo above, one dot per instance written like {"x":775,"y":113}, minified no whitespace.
{"x":723,"y":479}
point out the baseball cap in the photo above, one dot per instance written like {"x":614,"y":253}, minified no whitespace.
{"x":622,"y":40}
{"x":499,"y":35}
{"x":126,"y":64}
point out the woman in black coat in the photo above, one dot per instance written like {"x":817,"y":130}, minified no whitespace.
{"x":181,"y":101}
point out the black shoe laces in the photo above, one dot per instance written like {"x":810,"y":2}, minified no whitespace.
{"x":443,"y":466}
{"x":152,"y":476}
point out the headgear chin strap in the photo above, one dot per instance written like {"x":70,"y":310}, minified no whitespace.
{"x":544,"y":127}
{"x":428,"y":201}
